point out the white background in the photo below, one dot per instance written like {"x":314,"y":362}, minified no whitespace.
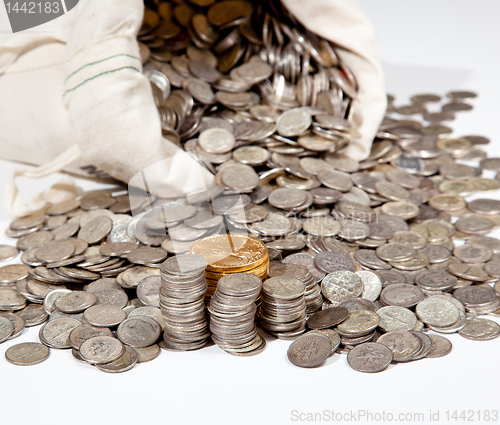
{"x":426,"y":46}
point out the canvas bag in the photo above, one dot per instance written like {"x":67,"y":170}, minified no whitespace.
{"x":73,"y":98}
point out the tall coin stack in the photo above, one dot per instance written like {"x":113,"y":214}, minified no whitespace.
{"x":313,"y":296}
{"x":231,"y":253}
{"x":283,"y":309}
{"x":232,"y":314}
{"x":182,"y":302}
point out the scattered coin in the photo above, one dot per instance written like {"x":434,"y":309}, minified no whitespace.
{"x":370,"y":357}
{"x":309,"y":350}
{"x":27,"y":353}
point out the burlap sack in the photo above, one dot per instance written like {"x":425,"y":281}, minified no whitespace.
{"x":73,"y":96}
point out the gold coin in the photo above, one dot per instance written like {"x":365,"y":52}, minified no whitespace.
{"x":260,"y":271}
{"x":230,"y":253}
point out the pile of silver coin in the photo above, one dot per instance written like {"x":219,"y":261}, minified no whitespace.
{"x":232,"y":314}
{"x":182,"y":300}
{"x":248,"y":77}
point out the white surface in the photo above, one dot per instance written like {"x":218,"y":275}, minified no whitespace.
{"x":426,"y":46}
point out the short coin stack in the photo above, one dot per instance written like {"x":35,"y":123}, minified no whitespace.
{"x":283,"y":309}
{"x":232,"y":314}
{"x":227,"y":254}
{"x":313,"y":297}
{"x":182,"y":302}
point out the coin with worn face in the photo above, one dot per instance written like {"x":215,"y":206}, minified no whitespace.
{"x":101,"y":349}
{"x":13,"y":273}
{"x":139,"y":331}
{"x":104,"y":315}
{"x":437,"y":312}
{"x":394,"y":318}
{"x":475,"y":296}
{"x":370,"y":357}
{"x":433,"y":280}
{"x":402,"y":343}
{"x":81,"y":333}
{"x":441,"y":346}
{"x":309,"y":350}
{"x":479,"y":329}
{"x":6,"y":328}
{"x":470,"y":253}
{"x":54,"y":251}
{"x":125,"y":362}
{"x":330,"y":262}
{"x":27,"y":353}
{"x":341,"y":285}
{"x":402,"y":295}
{"x":327,"y":318}
{"x":148,"y":290}
{"x":55,"y":333}
{"x":283,"y":287}
{"x":395,"y":252}
{"x":111,"y":296}
{"x":7,"y":252}
{"x":95,"y":230}
{"x":358,"y":322}
{"x":75,"y":302}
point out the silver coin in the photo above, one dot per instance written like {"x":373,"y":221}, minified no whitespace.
{"x":95,"y":230}
{"x":330,"y":262}
{"x":148,"y":290}
{"x":55,"y":333}
{"x":54,"y":251}
{"x":309,"y":350}
{"x":27,"y":353}
{"x":139,"y":331}
{"x":111,"y":296}
{"x":480,"y":329}
{"x":358,"y":322}
{"x":403,"y":344}
{"x":441,"y":346}
{"x":6,"y":328}
{"x":437,"y":312}
{"x":81,"y":333}
{"x":372,"y":285}
{"x":101,"y":349}
{"x":33,"y":314}
{"x":75,"y":301}
{"x":104,"y":315}
{"x":216,"y":140}
{"x":393,"y":318}
{"x":402,"y":295}
{"x":341,"y":285}
{"x":125,"y":362}
{"x":370,"y":357}
{"x":146,"y":354}
{"x":293,"y":122}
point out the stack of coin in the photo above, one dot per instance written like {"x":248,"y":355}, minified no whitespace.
{"x":232,"y":314}
{"x":313,"y":297}
{"x":182,"y":302}
{"x":231,"y":253}
{"x":283,"y":309}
